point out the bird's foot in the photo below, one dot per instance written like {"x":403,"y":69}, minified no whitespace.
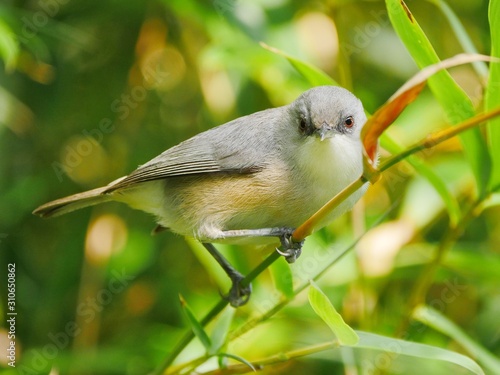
{"x":238,"y":294}
{"x":291,"y":249}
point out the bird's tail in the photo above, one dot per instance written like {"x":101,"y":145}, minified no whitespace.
{"x":73,"y":202}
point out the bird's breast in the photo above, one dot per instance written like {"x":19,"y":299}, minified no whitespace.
{"x":326,"y":168}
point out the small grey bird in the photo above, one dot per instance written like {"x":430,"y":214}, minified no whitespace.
{"x":253,"y":179}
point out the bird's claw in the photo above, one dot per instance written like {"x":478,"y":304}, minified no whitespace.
{"x":238,"y":295}
{"x":291,"y":249}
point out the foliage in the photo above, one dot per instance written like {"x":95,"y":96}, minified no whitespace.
{"x":89,"y":90}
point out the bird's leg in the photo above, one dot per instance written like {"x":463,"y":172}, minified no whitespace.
{"x":291,"y":249}
{"x":238,"y":295}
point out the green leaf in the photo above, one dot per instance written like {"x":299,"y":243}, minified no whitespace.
{"x":221,"y":329}
{"x":9,"y":46}
{"x":400,"y":347}
{"x":448,"y":93}
{"x":437,"y":182}
{"x":493,"y":93}
{"x":439,"y":322}
{"x":388,"y":113}
{"x":196,"y":326}
{"x":282,"y":276}
{"x":313,"y":75}
{"x":325,"y":310}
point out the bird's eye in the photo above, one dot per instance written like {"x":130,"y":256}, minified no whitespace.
{"x":349,"y":122}
{"x":302,"y":125}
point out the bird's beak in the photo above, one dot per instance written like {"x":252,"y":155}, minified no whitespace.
{"x":325,"y":131}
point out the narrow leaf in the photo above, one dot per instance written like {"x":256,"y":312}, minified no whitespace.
{"x":313,"y":75}
{"x":400,"y":347}
{"x":237,"y":358}
{"x":325,"y":310}
{"x":493,"y":94}
{"x":385,"y":116}
{"x":439,"y":322}
{"x":430,"y":70}
{"x":221,"y":329}
{"x":196,"y":326}
{"x":448,"y":93}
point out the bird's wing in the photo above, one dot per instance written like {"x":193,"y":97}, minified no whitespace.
{"x":198,"y":155}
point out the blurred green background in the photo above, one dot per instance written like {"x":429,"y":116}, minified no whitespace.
{"x":91,"y":89}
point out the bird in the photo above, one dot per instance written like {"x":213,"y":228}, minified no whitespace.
{"x":252,"y":180}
